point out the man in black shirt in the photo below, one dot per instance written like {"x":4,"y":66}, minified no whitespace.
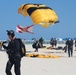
{"x":13,"y":53}
{"x":70,"y":47}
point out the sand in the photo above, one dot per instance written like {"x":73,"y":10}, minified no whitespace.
{"x":43,"y":66}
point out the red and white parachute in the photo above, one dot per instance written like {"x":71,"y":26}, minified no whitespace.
{"x":21,"y":29}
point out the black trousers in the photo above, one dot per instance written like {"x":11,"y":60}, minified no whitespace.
{"x":16,"y":62}
{"x":70,"y":51}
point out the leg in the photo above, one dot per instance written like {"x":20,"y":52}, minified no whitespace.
{"x":71,"y":51}
{"x":8,"y":68}
{"x":65,"y":48}
{"x":36,"y":49}
{"x":17,"y":66}
{"x":68,"y":52}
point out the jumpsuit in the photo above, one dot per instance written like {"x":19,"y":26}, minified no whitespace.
{"x":14,"y":57}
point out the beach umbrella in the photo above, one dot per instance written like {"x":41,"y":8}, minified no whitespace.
{"x":59,"y":39}
{"x":39,"y":13}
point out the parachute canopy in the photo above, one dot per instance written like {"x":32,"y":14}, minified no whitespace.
{"x":39,"y":13}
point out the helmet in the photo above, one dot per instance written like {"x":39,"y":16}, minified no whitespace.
{"x":10,"y":32}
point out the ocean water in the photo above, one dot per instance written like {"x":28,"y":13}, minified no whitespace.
{"x":45,"y":42}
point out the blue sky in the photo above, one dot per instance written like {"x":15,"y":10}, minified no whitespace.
{"x":65,"y":10}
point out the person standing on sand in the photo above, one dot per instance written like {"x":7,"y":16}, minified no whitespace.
{"x":55,"y":42}
{"x":70,"y":47}
{"x":41,"y":42}
{"x":13,"y":54}
{"x":52,"y":42}
{"x":36,"y":45}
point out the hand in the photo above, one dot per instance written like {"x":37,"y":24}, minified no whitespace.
{"x":5,"y":47}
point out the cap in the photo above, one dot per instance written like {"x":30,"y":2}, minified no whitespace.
{"x":10,"y":32}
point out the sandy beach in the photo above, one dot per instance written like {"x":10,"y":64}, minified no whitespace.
{"x":43,"y":66}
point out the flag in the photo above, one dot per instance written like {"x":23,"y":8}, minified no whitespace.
{"x":21,"y":29}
